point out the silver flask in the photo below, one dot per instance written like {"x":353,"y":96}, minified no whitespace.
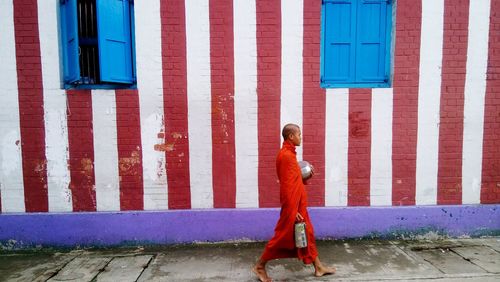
{"x":300,"y":235}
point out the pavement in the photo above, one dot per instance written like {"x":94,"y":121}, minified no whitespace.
{"x":355,"y":260}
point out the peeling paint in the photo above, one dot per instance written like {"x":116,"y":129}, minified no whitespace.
{"x":127,"y":164}
{"x":152,"y":155}
{"x":40,"y":166}
{"x":68,"y":195}
{"x":176,"y":135}
{"x":164,"y":147}
{"x":87,"y":166}
{"x":160,"y":172}
{"x":170,"y":146}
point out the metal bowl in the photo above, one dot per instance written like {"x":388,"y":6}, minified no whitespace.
{"x":305,"y":169}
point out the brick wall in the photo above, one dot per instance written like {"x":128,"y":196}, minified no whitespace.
{"x":171,"y":138}
{"x":30,"y":87}
{"x":406,"y":76}
{"x":451,"y":126}
{"x":490,"y":188}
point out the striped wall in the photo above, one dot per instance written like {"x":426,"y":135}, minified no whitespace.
{"x":217,"y":79}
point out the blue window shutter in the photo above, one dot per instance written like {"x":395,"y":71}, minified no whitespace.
{"x":69,"y":31}
{"x":115,"y":48}
{"x":132,"y":20}
{"x":339,"y":41}
{"x":371,"y":41}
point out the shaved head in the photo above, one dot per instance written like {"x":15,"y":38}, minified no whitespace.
{"x":289,"y":129}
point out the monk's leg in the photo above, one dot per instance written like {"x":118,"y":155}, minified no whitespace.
{"x":260,"y":270}
{"x":320,"y":269}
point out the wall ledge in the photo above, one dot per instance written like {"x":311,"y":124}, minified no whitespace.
{"x":91,"y":229}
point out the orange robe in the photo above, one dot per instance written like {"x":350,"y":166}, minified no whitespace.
{"x":293,"y":198}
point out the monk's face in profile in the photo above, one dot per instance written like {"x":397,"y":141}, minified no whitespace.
{"x":296,"y":137}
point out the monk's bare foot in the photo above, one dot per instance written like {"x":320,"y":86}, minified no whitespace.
{"x":261,"y":273}
{"x":324,"y":270}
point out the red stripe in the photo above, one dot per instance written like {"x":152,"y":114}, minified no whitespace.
{"x":129,"y":150}
{"x":268,"y":96}
{"x":405,"y":107}
{"x":314,"y":101}
{"x":222,"y":83}
{"x":29,"y":80}
{"x":359,"y":149}
{"x":490,"y":186}
{"x":456,"y":21}
{"x":176,"y":147}
{"x":81,"y":150}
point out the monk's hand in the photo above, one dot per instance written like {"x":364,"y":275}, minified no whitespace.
{"x":299,"y":217}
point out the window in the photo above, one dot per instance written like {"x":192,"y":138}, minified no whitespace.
{"x":356,"y":43}
{"x":98,"y":43}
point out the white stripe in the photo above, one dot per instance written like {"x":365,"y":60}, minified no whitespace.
{"x":474,"y":94}
{"x":150,"y":85}
{"x":381,"y":148}
{"x":429,"y":93}
{"x":11,"y":170}
{"x":199,"y":103}
{"x":107,"y":185}
{"x":336,"y":145}
{"x":291,"y":63}
{"x":54,"y":99}
{"x":245,"y":104}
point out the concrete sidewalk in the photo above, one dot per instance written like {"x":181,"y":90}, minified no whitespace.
{"x":361,"y":260}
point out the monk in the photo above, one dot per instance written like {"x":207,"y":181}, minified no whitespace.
{"x":293,"y":199}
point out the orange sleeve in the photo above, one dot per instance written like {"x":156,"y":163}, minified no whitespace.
{"x":291,"y":186}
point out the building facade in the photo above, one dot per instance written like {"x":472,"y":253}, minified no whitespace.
{"x":185,"y":150}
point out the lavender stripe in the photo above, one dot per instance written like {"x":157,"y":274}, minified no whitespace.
{"x":455,"y":221}
{"x":185,"y":226}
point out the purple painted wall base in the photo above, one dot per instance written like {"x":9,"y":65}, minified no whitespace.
{"x":187,"y":226}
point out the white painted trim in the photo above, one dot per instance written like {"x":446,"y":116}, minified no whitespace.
{"x":474,"y":95}
{"x":292,"y":31}
{"x":11,"y":165}
{"x":381,"y":147}
{"x":54,"y":98}
{"x":150,"y":84}
{"x":336,"y":146}
{"x":107,"y":184}
{"x":199,"y":103}
{"x":245,"y":104}
{"x":429,"y":93}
